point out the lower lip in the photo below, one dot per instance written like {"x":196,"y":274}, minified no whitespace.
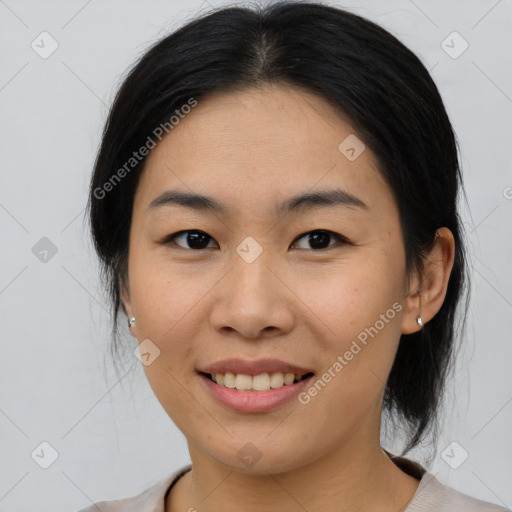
{"x":254,"y":401}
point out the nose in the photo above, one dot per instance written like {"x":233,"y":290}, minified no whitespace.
{"x":253,"y":300}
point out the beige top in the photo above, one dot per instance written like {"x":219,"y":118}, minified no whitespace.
{"x":431,"y":494}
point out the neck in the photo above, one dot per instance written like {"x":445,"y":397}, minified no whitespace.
{"x":357,"y":476}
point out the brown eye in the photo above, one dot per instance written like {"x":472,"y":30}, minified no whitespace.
{"x":319,"y":239}
{"x":195,"y":239}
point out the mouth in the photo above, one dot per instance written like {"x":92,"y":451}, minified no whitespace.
{"x":257,"y":383}
{"x":258,"y":393}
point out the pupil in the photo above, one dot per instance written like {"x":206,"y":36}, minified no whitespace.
{"x":314,"y":239}
{"x":193,"y":237}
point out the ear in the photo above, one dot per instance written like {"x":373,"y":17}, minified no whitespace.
{"x":124,"y":292}
{"x":431,"y":285}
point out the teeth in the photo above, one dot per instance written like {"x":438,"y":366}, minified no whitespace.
{"x":261,"y":382}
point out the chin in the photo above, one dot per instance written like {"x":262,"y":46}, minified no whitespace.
{"x":260,"y":458}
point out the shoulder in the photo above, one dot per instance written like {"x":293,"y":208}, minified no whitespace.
{"x":434,"y":495}
{"x":151,"y":499}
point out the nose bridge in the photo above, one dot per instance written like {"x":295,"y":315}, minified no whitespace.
{"x":253,"y":299}
{"x":250,"y":265}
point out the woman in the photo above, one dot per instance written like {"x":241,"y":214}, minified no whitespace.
{"x":274,"y":203}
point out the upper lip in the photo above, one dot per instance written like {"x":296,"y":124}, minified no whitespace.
{"x":242,"y":366}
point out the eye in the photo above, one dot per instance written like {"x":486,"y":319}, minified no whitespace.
{"x":198,"y":240}
{"x":320,"y":237}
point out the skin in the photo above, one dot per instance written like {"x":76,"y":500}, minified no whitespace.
{"x":295,"y":302}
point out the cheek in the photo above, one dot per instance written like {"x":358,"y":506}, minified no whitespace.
{"x":360,"y":307}
{"x":166,"y":296}
{"x":350,"y":296}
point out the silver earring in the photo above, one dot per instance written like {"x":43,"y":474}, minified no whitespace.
{"x":131,"y":321}
{"x":419,"y":319}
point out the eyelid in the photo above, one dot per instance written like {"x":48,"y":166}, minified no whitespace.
{"x":340,"y":239}
{"x":169,"y":239}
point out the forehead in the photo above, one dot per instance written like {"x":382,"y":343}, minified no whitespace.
{"x":259,"y":147}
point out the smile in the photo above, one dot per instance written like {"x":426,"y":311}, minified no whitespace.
{"x":250,"y":400}
{"x":259,"y":382}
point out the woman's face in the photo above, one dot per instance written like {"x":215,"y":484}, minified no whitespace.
{"x":252,"y":284}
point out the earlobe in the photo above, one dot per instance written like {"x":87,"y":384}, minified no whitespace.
{"x":125,"y":300}
{"x":124,"y":293}
{"x":413,"y":313}
{"x":419,"y":319}
{"x":429,"y":289}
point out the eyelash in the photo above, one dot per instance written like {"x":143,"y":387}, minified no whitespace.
{"x":168,"y":240}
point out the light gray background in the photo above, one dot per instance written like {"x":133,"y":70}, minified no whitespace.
{"x":113,"y":438}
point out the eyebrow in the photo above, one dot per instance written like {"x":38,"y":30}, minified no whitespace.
{"x":299,"y":203}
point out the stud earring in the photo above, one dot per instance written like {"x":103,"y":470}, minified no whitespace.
{"x":131,"y":321}
{"x":419,"y":319}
